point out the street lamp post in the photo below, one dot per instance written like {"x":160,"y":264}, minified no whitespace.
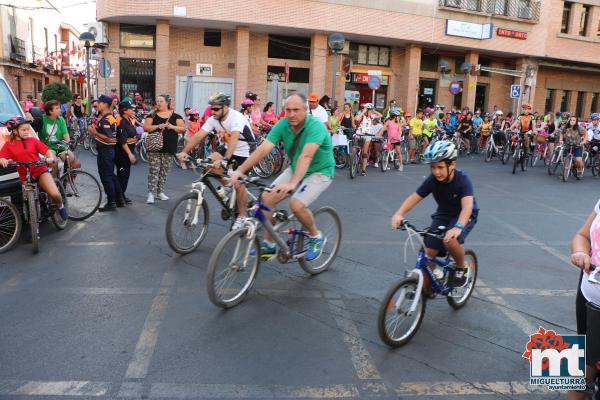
{"x":336,"y":44}
{"x":87,"y":39}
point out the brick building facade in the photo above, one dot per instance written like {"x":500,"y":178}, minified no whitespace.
{"x":551,"y":48}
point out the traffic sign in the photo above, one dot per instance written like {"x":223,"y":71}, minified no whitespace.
{"x":374,"y":82}
{"x":515,"y":91}
{"x":105,"y":68}
{"x":455,"y":87}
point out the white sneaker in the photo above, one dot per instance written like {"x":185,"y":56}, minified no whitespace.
{"x":239,"y":221}
{"x":162,"y":196}
{"x":150,"y":199}
{"x":401,"y":167}
{"x":376,"y":165}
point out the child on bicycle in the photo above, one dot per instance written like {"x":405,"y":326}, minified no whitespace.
{"x":457,"y":209}
{"x":23,"y":146}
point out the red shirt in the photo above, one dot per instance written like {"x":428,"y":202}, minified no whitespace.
{"x":25,"y":150}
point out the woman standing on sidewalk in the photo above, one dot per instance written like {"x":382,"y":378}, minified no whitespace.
{"x":169,"y":125}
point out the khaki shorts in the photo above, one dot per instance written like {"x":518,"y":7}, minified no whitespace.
{"x":309,"y":189}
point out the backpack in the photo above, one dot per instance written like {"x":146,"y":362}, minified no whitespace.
{"x":246,"y":135}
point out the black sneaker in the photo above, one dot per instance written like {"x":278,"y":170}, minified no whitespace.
{"x":458,"y":278}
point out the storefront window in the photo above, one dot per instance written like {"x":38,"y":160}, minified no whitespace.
{"x":371,"y":55}
{"x":564,"y":101}
{"x":289,"y":47}
{"x":138,"y":36}
{"x":429,"y":62}
{"x":549,"y":100}
{"x":595,"y":102}
{"x":579,"y":107}
{"x":584,"y":20}
{"x":212,"y":38}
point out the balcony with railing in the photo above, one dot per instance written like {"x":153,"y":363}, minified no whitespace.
{"x":524,"y":10}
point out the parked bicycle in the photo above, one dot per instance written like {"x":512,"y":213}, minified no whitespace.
{"x":37,"y":205}
{"x":187,"y":222}
{"x":82,"y":189}
{"x":234,"y":264}
{"x":403,"y":307}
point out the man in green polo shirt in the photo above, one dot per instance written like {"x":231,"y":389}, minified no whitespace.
{"x":308,"y":144}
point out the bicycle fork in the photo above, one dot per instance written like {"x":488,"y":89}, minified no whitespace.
{"x":415,"y":302}
{"x":191,"y":210}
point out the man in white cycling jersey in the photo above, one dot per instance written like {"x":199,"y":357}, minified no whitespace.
{"x":235,"y":131}
{"x":308,"y":145}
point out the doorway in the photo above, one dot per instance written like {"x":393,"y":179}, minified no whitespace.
{"x":427,"y":93}
{"x":137,"y":75}
{"x":480,"y":97}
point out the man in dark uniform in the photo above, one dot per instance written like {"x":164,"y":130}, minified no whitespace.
{"x":106,"y":138}
{"x":126,"y":138}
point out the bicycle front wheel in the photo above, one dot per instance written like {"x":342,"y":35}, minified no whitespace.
{"x":458,"y":297}
{"x":56,"y":219}
{"x":353,"y":163}
{"x":396,"y":326}
{"x":33,"y":220}
{"x":385,"y":160}
{"x":567,"y":161}
{"x":83,"y":192}
{"x":232,"y":268}
{"x":329,"y":223}
{"x":93,"y":147}
{"x":187,"y":224}
{"x":10,"y":225}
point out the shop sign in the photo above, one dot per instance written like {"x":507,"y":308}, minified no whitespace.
{"x":204,"y":69}
{"x":511,"y":34}
{"x":427,"y":91}
{"x":363,"y":79}
{"x":469,"y":29}
{"x":374,"y":72}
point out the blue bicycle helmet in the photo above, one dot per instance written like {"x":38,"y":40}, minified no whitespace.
{"x":595,"y":116}
{"x":442,"y":150}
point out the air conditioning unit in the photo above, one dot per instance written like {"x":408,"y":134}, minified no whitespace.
{"x":346,"y":49}
{"x":452,"y":3}
{"x":99,"y":30}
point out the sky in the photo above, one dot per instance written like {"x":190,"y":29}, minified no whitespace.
{"x":76,"y":12}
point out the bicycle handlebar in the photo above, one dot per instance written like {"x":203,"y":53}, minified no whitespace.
{"x":437,"y":233}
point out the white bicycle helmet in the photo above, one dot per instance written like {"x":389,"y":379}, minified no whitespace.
{"x":369,"y":106}
{"x":442,"y":150}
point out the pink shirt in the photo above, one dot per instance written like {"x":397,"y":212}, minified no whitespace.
{"x":256,"y":117}
{"x":28,"y":105}
{"x":393,"y":130}
{"x":590,"y":291}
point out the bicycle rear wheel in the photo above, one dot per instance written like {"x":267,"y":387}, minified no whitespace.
{"x":394,"y":324}
{"x":10,"y":225}
{"x":516,"y":161}
{"x":340,"y":158}
{"x":232,"y":268}
{"x":86,"y":140}
{"x":93,"y":148}
{"x":83,"y":192}
{"x":458,"y":297}
{"x":506,"y":154}
{"x":330,"y":225}
{"x":183,"y":235}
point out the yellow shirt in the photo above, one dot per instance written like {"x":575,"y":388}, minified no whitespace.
{"x":416,"y":126}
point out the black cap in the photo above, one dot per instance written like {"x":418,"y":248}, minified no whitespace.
{"x":125,"y":105}
{"x":105,"y":99}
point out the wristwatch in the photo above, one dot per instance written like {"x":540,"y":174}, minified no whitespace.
{"x":459,"y":226}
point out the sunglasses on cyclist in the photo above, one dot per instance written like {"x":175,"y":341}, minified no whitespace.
{"x":216,"y":108}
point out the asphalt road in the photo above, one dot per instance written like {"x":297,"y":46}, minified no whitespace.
{"x":107,"y":310}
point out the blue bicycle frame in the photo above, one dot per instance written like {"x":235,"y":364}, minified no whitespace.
{"x":444,"y":263}
{"x":296,"y":234}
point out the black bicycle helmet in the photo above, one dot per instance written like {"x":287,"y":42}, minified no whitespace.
{"x":251,"y":95}
{"x":14,"y":122}
{"x":220,"y":99}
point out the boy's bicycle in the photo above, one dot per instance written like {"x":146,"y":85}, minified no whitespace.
{"x":234,"y":264}
{"x":403,"y":307}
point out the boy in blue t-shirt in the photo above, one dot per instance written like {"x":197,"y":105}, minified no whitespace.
{"x":453,"y":192}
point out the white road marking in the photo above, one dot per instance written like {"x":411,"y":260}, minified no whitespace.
{"x":471,"y":243}
{"x":467,"y":389}
{"x":144,"y":349}
{"x":502,"y":305}
{"x":90,"y":243}
{"x":539,"y":292}
{"x":550,"y":250}
{"x":361,"y":359}
{"x":62,"y":388}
